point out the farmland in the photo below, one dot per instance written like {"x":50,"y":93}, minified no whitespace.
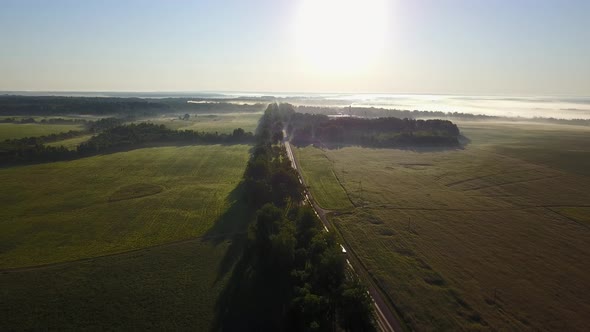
{"x":15,"y":131}
{"x":71,"y":143}
{"x":477,"y":238}
{"x":223,"y":123}
{"x":326,"y":188}
{"x":150,"y":232}
{"x":172,"y":287}
{"x":64,"y":211}
{"x":219,"y":122}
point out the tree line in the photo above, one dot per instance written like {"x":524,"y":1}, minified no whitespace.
{"x":92,"y":126}
{"x":12,"y":105}
{"x":43,"y":121}
{"x":296,"y":270}
{"x":306,"y":128}
{"x":375,"y":112}
{"x":133,"y":135}
{"x":15,"y":105}
{"x":111,"y":137}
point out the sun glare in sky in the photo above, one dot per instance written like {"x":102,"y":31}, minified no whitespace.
{"x":343,"y":36}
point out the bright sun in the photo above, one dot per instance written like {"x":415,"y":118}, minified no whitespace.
{"x":341,"y":35}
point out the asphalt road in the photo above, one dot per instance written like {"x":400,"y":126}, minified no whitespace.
{"x":386,"y":319}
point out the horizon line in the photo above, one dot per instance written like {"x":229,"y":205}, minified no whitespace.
{"x":292,"y":93}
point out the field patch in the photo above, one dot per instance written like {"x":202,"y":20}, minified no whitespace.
{"x":60,"y":211}
{"x":70,"y":143}
{"x":220,"y":122}
{"x":560,"y":147}
{"x":16,"y":131}
{"x":173,"y":287}
{"x":580,"y":214}
{"x":416,"y":166}
{"x":317,"y":169}
{"x":135,"y":191}
{"x":473,"y":239}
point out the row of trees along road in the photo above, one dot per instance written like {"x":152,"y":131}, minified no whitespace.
{"x":293,"y":271}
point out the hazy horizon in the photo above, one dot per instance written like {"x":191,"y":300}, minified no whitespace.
{"x":560,"y":107}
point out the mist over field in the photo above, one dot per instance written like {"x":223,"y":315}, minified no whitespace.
{"x":505,"y":106}
{"x":559,"y":107}
{"x":527,"y":107}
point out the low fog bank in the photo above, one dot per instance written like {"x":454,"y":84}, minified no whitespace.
{"x":565,"y":110}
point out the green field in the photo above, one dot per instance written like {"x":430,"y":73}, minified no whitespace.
{"x":70,"y":143}
{"x":326,"y":188}
{"x":561,"y":147}
{"x":40,"y":118}
{"x":491,"y":237}
{"x":63,"y":211}
{"x":173,"y":287}
{"x":221,"y":122}
{"x":134,"y":240}
{"x":15,"y":131}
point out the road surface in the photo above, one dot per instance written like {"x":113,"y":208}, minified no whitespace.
{"x":386,"y":319}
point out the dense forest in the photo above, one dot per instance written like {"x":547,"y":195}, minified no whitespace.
{"x":305,"y":128}
{"x":294,"y":269}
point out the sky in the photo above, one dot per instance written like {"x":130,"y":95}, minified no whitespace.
{"x":491,"y":47}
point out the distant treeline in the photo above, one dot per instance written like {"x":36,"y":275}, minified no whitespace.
{"x":305,"y":129}
{"x":14,"y":105}
{"x":144,"y":133}
{"x":373,"y":112}
{"x":293,"y":275}
{"x":111,"y":138}
{"x":54,"y":105}
{"x":44,"y":121}
{"x":89,"y":125}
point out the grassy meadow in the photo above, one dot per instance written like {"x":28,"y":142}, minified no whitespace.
{"x":16,"y":131}
{"x":495,"y":236}
{"x":70,"y":143}
{"x":152,"y":232}
{"x":64,"y":211}
{"x":327,"y":190}
{"x":221,"y":122}
{"x":561,"y":147}
{"x":172,"y":287}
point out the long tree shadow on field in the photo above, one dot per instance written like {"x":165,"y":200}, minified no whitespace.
{"x":232,"y":226}
{"x":252,"y":300}
{"x":249,"y":299}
